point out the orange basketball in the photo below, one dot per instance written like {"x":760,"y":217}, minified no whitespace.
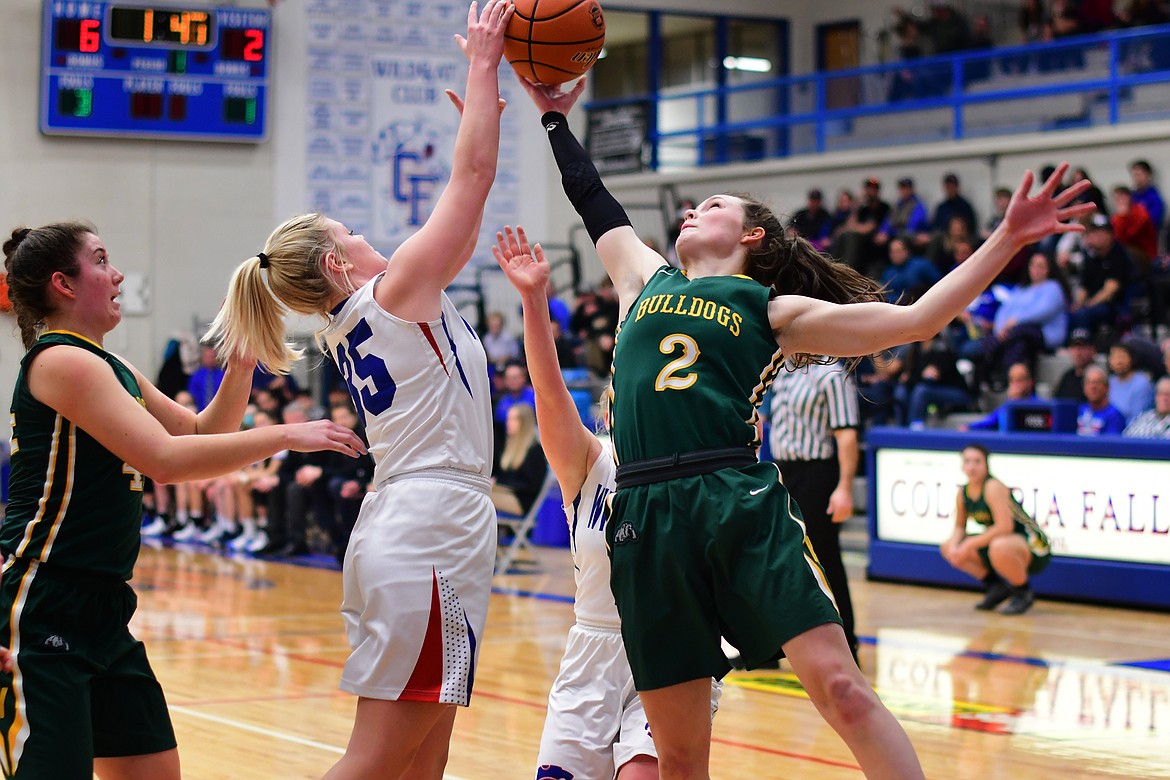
{"x":554,"y":41}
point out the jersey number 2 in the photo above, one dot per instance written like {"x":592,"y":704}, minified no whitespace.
{"x":355,"y":366}
{"x":690,"y":353}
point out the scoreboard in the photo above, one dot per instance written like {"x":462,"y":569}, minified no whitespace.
{"x":154,"y":71}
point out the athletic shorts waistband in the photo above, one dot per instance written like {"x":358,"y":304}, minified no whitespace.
{"x":596,"y":626}
{"x":467,"y":478}
{"x":683,"y":464}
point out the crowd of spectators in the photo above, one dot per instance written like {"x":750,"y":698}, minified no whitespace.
{"x":1067,"y":296}
{"x":292,"y":504}
{"x":941,"y":28}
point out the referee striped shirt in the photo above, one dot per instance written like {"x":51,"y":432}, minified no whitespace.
{"x":807,"y":405}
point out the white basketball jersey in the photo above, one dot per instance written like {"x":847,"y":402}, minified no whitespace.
{"x":421,"y":388}
{"x":587,"y":515}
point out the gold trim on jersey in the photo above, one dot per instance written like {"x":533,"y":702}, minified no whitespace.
{"x":766,"y":378}
{"x":18,"y":732}
{"x":76,"y":335}
{"x":42,"y":505}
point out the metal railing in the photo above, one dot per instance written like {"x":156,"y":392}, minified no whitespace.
{"x":1079,"y":81}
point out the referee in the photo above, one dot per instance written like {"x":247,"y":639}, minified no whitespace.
{"x":814,"y":420}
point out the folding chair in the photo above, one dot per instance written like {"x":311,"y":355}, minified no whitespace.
{"x":520,"y":526}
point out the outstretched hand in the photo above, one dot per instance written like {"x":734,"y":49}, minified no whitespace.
{"x":324,"y":435}
{"x":552,"y":97}
{"x":1030,"y":218}
{"x":485,"y":32}
{"x":525,"y":267}
{"x":7,"y":664}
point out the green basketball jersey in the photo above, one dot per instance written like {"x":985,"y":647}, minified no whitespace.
{"x":692,"y":362}
{"x":1022,"y":522}
{"x":71,"y":501}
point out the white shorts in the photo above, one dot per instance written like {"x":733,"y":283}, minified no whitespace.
{"x":595,"y":722}
{"x":417,"y":579}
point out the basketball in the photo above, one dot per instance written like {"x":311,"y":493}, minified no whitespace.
{"x":554,"y":41}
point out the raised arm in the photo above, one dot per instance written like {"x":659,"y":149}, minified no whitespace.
{"x":120,"y":424}
{"x":223,"y":415}
{"x":431,"y":258}
{"x":569,"y":446}
{"x":627,"y":260}
{"x":806,"y":325}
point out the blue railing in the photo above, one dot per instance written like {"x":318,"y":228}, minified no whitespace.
{"x":1074,"y":82}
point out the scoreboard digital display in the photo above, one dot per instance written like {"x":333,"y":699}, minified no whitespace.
{"x":154,"y":71}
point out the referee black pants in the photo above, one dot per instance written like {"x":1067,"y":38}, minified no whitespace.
{"x":811,"y":483}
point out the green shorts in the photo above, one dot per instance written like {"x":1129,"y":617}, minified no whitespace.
{"x":1038,"y":563}
{"x":719,"y":554}
{"x":83,"y":687}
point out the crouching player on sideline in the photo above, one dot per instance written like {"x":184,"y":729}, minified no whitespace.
{"x":595,"y":727}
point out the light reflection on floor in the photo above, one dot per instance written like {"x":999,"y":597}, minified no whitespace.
{"x":1087,"y":709}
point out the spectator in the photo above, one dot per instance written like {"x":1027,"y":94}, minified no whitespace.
{"x":1095,"y":15}
{"x":937,"y":383}
{"x":500,"y":345}
{"x":814,"y":222}
{"x":1142,"y":13}
{"x":878,"y":377}
{"x":1154,"y":423}
{"x":842,"y":211}
{"x":559,"y":310}
{"x":517,"y":481}
{"x":1003,"y":196}
{"x":1097,"y":416}
{"x":1104,"y":277}
{"x":347,"y":481}
{"x":953,"y":205}
{"x":1021,"y":387}
{"x":1134,"y":229}
{"x":1032,"y":319}
{"x":516,"y":390}
{"x":174,"y":375}
{"x":566,"y":345}
{"x":952,"y":247}
{"x":1092,"y":195}
{"x":1141,"y":175}
{"x":904,"y":82}
{"x":1009,"y":549}
{"x":206,"y":379}
{"x":970,"y":333}
{"x":949,"y":31}
{"x":905,"y":277}
{"x":1083,"y":352}
{"x":907,"y":220}
{"x":290,"y":500}
{"x":854,"y":244}
{"x":1130,"y":391}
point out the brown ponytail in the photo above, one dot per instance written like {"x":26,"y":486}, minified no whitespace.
{"x":31,"y":257}
{"x":793,"y":266}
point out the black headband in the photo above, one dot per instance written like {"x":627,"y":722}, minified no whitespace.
{"x":263,"y":259}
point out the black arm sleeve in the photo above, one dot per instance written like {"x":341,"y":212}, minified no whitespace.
{"x":598,"y":208}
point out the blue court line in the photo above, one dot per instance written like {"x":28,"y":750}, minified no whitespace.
{"x":532,"y":594}
{"x":1158,"y":665}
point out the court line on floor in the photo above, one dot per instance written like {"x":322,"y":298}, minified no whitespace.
{"x":237,"y":724}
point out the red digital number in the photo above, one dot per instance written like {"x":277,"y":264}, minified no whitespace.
{"x":90,"y":37}
{"x":254,"y":48}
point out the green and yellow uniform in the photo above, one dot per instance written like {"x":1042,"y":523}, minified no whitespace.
{"x":1022,"y":524}
{"x":82,"y":686}
{"x":713,"y":552}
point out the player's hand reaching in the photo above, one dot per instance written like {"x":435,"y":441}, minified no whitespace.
{"x":7,"y":664}
{"x":1030,"y":218}
{"x":485,"y":32}
{"x":525,"y":267}
{"x":551,"y":97}
{"x":324,"y":435}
